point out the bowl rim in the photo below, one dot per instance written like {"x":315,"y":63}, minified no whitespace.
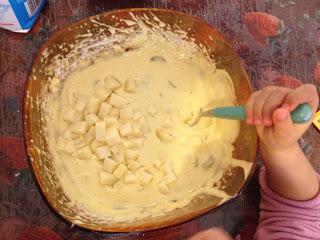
{"x":187,"y":217}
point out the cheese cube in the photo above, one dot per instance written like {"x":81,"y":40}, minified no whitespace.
{"x":69,"y":147}
{"x":79,"y":142}
{"x":158,"y":163}
{"x":112,"y":83}
{"x":81,"y":104}
{"x":104,"y":109}
{"x":112,"y":136}
{"x":167,"y":167}
{"x":151,"y":169}
{"x":130,"y":85}
{"x":93,"y":105}
{"x":90,"y":135}
{"x":170,"y":177}
{"x":134,"y":165}
{"x":116,"y":149}
{"x":119,"y":157}
{"x":102,"y":93}
{"x":109,"y":165}
{"x":130,"y":178}
{"x":136,"y":114}
{"x":127,"y":144}
{"x":163,"y":188}
{"x":126,"y":113}
{"x":114,"y":112}
{"x":164,"y":136}
{"x":107,"y":178}
{"x":69,"y":115}
{"x":84,"y":153}
{"x":120,"y":92}
{"x":126,"y":130}
{"x":137,"y":142}
{"x":91,"y":119}
{"x":132,"y":155}
{"x":136,"y":130}
{"x":120,"y":170}
{"x":103,"y":152}
{"x":95,"y":144}
{"x":101,"y":134}
{"x":118,"y":101}
{"x":110,"y":121}
{"x":67,"y":134}
{"x":145,"y":177}
{"x":79,"y":127}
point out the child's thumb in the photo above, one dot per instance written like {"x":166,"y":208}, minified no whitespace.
{"x":283,"y":125}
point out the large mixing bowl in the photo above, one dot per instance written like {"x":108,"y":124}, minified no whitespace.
{"x":41,"y":162}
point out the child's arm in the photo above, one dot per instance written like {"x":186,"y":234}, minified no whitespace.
{"x":289,"y":173}
{"x":290,"y":199}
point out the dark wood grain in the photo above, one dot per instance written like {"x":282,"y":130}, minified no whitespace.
{"x":23,"y":211}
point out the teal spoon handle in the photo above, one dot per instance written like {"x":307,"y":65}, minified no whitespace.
{"x":301,"y":114}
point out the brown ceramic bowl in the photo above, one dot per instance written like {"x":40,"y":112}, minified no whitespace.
{"x":41,"y":162}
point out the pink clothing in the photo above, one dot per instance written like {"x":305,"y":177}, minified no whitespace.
{"x":282,"y":218}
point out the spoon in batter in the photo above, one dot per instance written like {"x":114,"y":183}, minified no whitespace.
{"x":300,"y":115}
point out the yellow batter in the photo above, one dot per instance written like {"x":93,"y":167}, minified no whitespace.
{"x":118,"y":135}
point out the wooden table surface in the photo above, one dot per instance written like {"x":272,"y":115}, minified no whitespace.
{"x":272,"y":53}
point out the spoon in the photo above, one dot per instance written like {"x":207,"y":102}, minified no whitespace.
{"x":300,"y":115}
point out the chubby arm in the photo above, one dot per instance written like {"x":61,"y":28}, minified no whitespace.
{"x":290,"y":199}
{"x":289,"y":173}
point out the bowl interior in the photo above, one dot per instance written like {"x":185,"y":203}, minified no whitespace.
{"x":41,"y":163}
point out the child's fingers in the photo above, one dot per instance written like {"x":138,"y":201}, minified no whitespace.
{"x":249,"y":107}
{"x":307,"y":93}
{"x":283,"y":125}
{"x":259,"y":103}
{"x":274,"y":101}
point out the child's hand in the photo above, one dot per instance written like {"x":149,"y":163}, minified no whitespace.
{"x":269,"y":109}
